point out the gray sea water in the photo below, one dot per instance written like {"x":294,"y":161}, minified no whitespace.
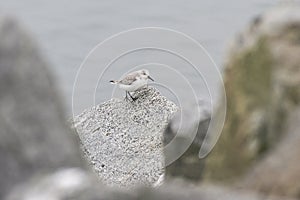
{"x":67,"y":30}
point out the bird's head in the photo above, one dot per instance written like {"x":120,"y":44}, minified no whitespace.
{"x":145,"y":74}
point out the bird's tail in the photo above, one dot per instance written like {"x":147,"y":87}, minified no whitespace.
{"x":113,"y":82}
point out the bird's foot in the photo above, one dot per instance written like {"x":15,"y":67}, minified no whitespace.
{"x":132,"y":98}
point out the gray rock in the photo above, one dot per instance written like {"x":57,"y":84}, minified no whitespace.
{"x":189,"y":165}
{"x":279,"y":172}
{"x":186,"y":121}
{"x":34,"y":137}
{"x":66,"y":183}
{"x":262,"y":81}
{"x":122,"y":140}
{"x":77,"y":185}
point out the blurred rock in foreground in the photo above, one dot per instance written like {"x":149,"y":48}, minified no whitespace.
{"x":122,"y":140}
{"x":34,"y":137}
{"x":83,"y":188}
{"x":262,"y":81}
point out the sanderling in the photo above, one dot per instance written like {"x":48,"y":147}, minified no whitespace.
{"x":133,"y":81}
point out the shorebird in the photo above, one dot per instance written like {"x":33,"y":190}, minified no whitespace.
{"x":133,"y":81}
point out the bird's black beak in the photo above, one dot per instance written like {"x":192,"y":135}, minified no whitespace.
{"x":150,"y":78}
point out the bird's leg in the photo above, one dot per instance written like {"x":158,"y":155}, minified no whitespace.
{"x":126,"y":97}
{"x":133,"y":99}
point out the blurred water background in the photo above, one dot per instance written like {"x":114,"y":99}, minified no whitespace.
{"x":67,"y":30}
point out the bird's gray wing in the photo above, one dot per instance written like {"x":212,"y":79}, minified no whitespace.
{"x":128,"y":79}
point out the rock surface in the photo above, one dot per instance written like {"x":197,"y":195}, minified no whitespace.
{"x":189,"y":166}
{"x":262,"y":81}
{"x":85,"y":188}
{"x":122,"y":140}
{"x":67,"y":183}
{"x":279,"y":172}
{"x":34,"y":137}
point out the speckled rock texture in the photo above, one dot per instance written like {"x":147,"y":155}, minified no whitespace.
{"x":262,"y":82}
{"x":122,"y":139}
